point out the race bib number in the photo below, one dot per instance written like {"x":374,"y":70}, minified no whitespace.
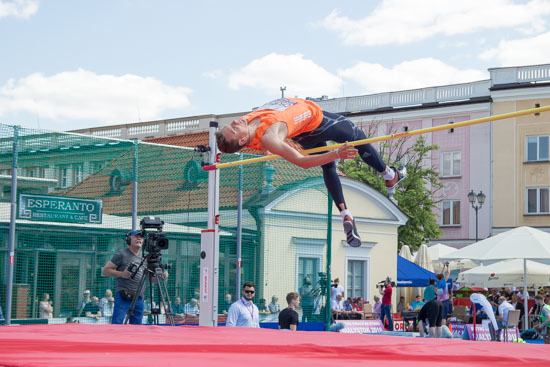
{"x":280,"y":104}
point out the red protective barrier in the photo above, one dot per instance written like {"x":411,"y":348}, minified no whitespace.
{"x":131,"y":345}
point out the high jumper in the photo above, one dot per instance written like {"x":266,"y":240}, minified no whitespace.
{"x":305,"y":123}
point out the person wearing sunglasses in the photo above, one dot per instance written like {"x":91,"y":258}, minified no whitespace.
{"x":244,"y":312}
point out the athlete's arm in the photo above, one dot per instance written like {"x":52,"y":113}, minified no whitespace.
{"x":273,"y":140}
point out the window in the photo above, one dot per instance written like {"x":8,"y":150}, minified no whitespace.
{"x":538,"y":201}
{"x":63,"y":176}
{"x":356,"y":279}
{"x":78,"y":173}
{"x":450,"y":213}
{"x":308,"y":267}
{"x":537,"y":148}
{"x":450,"y":164}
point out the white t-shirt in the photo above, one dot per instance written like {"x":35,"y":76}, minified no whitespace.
{"x":334,"y":291}
{"x":337,"y":306}
{"x":504,"y":308}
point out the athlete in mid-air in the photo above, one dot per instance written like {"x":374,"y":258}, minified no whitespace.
{"x":304,"y":122}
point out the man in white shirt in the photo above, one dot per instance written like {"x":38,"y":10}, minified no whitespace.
{"x":503,"y":308}
{"x":337,"y":306}
{"x":191,"y":308}
{"x":244,"y":312}
{"x":336,"y":289}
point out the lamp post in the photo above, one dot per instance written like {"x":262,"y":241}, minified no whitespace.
{"x":480,"y":197}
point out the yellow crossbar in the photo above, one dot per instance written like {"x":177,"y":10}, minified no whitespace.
{"x":386,"y":137}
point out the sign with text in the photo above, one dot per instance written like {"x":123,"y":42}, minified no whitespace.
{"x":458,"y":329}
{"x":49,"y":208}
{"x":362,"y":326}
{"x":483,"y":333}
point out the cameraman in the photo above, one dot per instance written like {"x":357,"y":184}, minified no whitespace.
{"x":386,"y":292}
{"x":126,"y":286}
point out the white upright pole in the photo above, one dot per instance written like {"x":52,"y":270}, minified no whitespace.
{"x":210,"y":243}
{"x":525,"y":296}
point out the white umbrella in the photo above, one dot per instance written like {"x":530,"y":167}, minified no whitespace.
{"x":424,"y":260}
{"x":507,"y":273}
{"x":405,"y":291}
{"x":439,"y":250}
{"x":519,"y":243}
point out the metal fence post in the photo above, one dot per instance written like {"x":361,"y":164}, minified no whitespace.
{"x":13,"y":213}
{"x":135,"y":188}
{"x":328,"y":311}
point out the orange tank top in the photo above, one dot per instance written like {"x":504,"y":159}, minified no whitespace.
{"x":299,"y":115}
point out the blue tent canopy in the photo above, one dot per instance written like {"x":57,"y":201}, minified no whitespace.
{"x":411,"y":275}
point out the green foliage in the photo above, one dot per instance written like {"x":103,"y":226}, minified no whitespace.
{"x":415,"y":194}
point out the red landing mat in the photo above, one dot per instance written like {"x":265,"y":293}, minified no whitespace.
{"x":130,"y":345}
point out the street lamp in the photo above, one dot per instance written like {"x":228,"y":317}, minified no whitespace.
{"x":480,"y":197}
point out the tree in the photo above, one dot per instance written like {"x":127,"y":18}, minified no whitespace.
{"x":415,"y":195}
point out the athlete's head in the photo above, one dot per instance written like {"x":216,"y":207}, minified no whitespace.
{"x":233,"y":137}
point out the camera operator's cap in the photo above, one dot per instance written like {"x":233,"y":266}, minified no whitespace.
{"x":135,"y":233}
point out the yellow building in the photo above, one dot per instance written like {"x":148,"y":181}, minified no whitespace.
{"x":520,"y":154}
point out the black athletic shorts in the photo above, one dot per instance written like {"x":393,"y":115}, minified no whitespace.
{"x":433,"y":312}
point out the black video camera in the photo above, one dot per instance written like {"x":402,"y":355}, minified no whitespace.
{"x":153,"y":242}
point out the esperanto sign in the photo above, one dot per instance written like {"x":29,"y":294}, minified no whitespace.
{"x":49,"y":208}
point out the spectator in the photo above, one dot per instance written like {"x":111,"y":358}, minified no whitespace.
{"x":508,"y":293}
{"x":521,"y":293}
{"x":417,"y":304}
{"x":544,"y":326}
{"x":307,"y":299}
{"x":336,"y":289}
{"x":107,"y":309}
{"x":493,"y":297}
{"x":429,"y":291}
{"x":46,"y":308}
{"x":244,"y":312}
{"x":348,"y":309}
{"x":288,"y":318}
{"x":177,"y":307}
{"x":401,"y":306}
{"x":518,"y":305}
{"x":337,"y":306}
{"x":103,"y":301}
{"x":385,"y":311}
{"x":191,"y":308}
{"x":377,"y":307}
{"x":225,"y":303}
{"x":92,"y":309}
{"x":1,"y":313}
{"x":443,"y":290}
{"x":433,"y":312}
{"x":274,"y":305}
{"x":480,"y":313}
{"x":358,"y":305}
{"x":262,"y":307}
{"x":83,"y":302}
{"x":503,"y":309}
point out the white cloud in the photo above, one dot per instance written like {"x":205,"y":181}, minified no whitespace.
{"x":405,"y":21}
{"x":18,"y":8}
{"x":420,"y":73}
{"x":84,"y":95}
{"x":302,"y":77}
{"x":527,"y":51}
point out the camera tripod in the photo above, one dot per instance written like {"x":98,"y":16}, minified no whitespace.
{"x":153,"y":269}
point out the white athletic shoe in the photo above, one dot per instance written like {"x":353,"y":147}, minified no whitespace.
{"x":352,"y":237}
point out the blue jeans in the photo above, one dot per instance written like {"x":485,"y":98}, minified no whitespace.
{"x":122,"y":306}
{"x":385,"y":311}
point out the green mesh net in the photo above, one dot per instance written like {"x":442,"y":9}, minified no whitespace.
{"x":58,"y":257}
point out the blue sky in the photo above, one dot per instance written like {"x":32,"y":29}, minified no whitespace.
{"x":74,"y":64}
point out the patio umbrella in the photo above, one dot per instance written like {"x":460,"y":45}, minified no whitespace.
{"x":524,"y":243}
{"x":424,"y":260}
{"x":507,"y":273}
{"x":405,"y":291}
{"x":438,"y":250}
